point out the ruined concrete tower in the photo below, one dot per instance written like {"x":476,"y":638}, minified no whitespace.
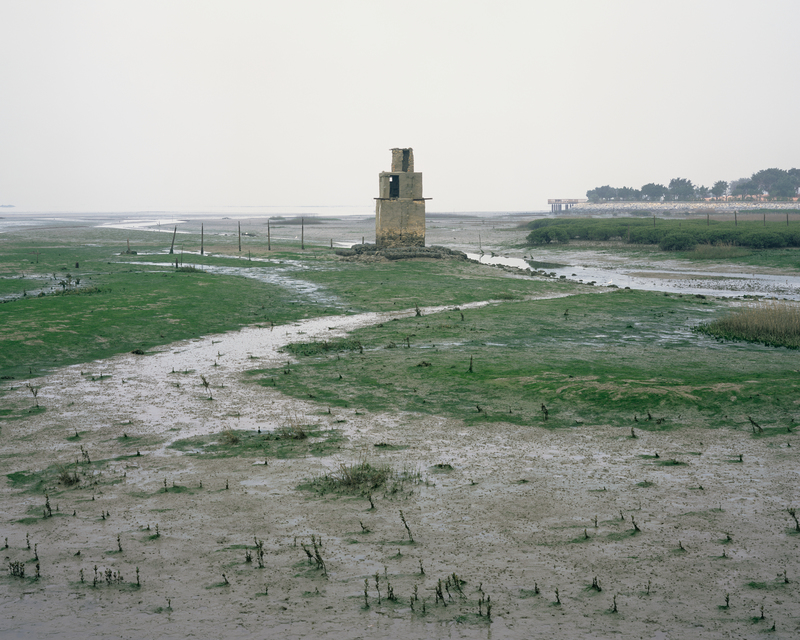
{"x":400,"y":207}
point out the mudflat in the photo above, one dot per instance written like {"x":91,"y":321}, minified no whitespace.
{"x":209,"y":485}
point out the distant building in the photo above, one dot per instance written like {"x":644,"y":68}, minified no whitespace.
{"x":400,"y":207}
{"x":559,"y":204}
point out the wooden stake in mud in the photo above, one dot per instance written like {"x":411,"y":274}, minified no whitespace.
{"x":240,"y":237}
{"x":201,"y":238}
{"x":654,"y":219}
{"x":129,"y":246}
{"x":765,"y":219}
{"x":269,"y":241}
{"x":302,"y":234}
{"x":735,"y":223}
{"x":172,"y":246}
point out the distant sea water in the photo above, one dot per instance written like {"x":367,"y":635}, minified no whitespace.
{"x":13,"y":218}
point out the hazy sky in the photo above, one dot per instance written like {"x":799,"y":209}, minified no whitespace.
{"x":171,"y":105}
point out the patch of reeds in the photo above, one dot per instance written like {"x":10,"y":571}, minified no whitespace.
{"x":773,"y":323}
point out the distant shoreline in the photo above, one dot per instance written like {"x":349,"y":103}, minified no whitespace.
{"x":680,"y":207}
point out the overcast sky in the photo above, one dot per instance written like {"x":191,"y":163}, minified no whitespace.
{"x":171,"y":105}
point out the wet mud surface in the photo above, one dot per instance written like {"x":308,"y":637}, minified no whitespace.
{"x":516,"y":512}
{"x":527,"y":517}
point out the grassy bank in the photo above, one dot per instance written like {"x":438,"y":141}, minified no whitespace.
{"x":671,"y":235}
{"x":109,"y":303}
{"x":588,"y":359}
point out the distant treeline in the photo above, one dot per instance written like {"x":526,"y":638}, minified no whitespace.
{"x":776,"y":184}
{"x":670,"y":235}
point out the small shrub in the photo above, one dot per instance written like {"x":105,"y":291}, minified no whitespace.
{"x":291,"y":432}
{"x":291,"y":429}
{"x":230,"y":437}
{"x":66,"y":477}
{"x":678,"y":241}
{"x":361,"y":478}
{"x":548,"y":235}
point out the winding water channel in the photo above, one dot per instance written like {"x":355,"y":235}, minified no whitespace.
{"x":668,"y":276}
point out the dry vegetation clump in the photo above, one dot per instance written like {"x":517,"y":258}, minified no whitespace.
{"x":358,"y":478}
{"x":67,"y":477}
{"x":230,"y":437}
{"x":775,"y":324}
{"x":292,"y":429}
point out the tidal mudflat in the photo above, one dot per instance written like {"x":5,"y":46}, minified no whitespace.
{"x":460,"y":451}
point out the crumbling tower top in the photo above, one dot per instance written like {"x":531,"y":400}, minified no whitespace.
{"x":402,"y":160}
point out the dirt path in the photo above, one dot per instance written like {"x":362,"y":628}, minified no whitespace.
{"x":510,"y":510}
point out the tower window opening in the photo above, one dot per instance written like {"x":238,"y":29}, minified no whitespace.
{"x":394,"y":186}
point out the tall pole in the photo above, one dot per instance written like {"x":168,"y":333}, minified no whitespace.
{"x":269,"y":241}
{"x":201,"y":238}
{"x":172,"y":246}
{"x":240,"y":237}
{"x":302,"y":233}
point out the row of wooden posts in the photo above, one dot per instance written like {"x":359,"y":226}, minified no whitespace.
{"x":269,"y":237}
{"x":735,"y":218}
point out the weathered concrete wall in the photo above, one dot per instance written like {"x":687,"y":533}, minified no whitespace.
{"x":400,"y":207}
{"x":400,"y":222}
{"x":402,"y":160}
{"x":410,"y":184}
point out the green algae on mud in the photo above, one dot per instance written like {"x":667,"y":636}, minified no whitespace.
{"x":52,"y":478}
{"x":623,"y":358}
{"x":387,"y":286}
{"x":122,"y":305}
{"x":134,"y":309}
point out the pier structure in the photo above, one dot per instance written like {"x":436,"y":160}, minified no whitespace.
{"x":563,"y":204}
